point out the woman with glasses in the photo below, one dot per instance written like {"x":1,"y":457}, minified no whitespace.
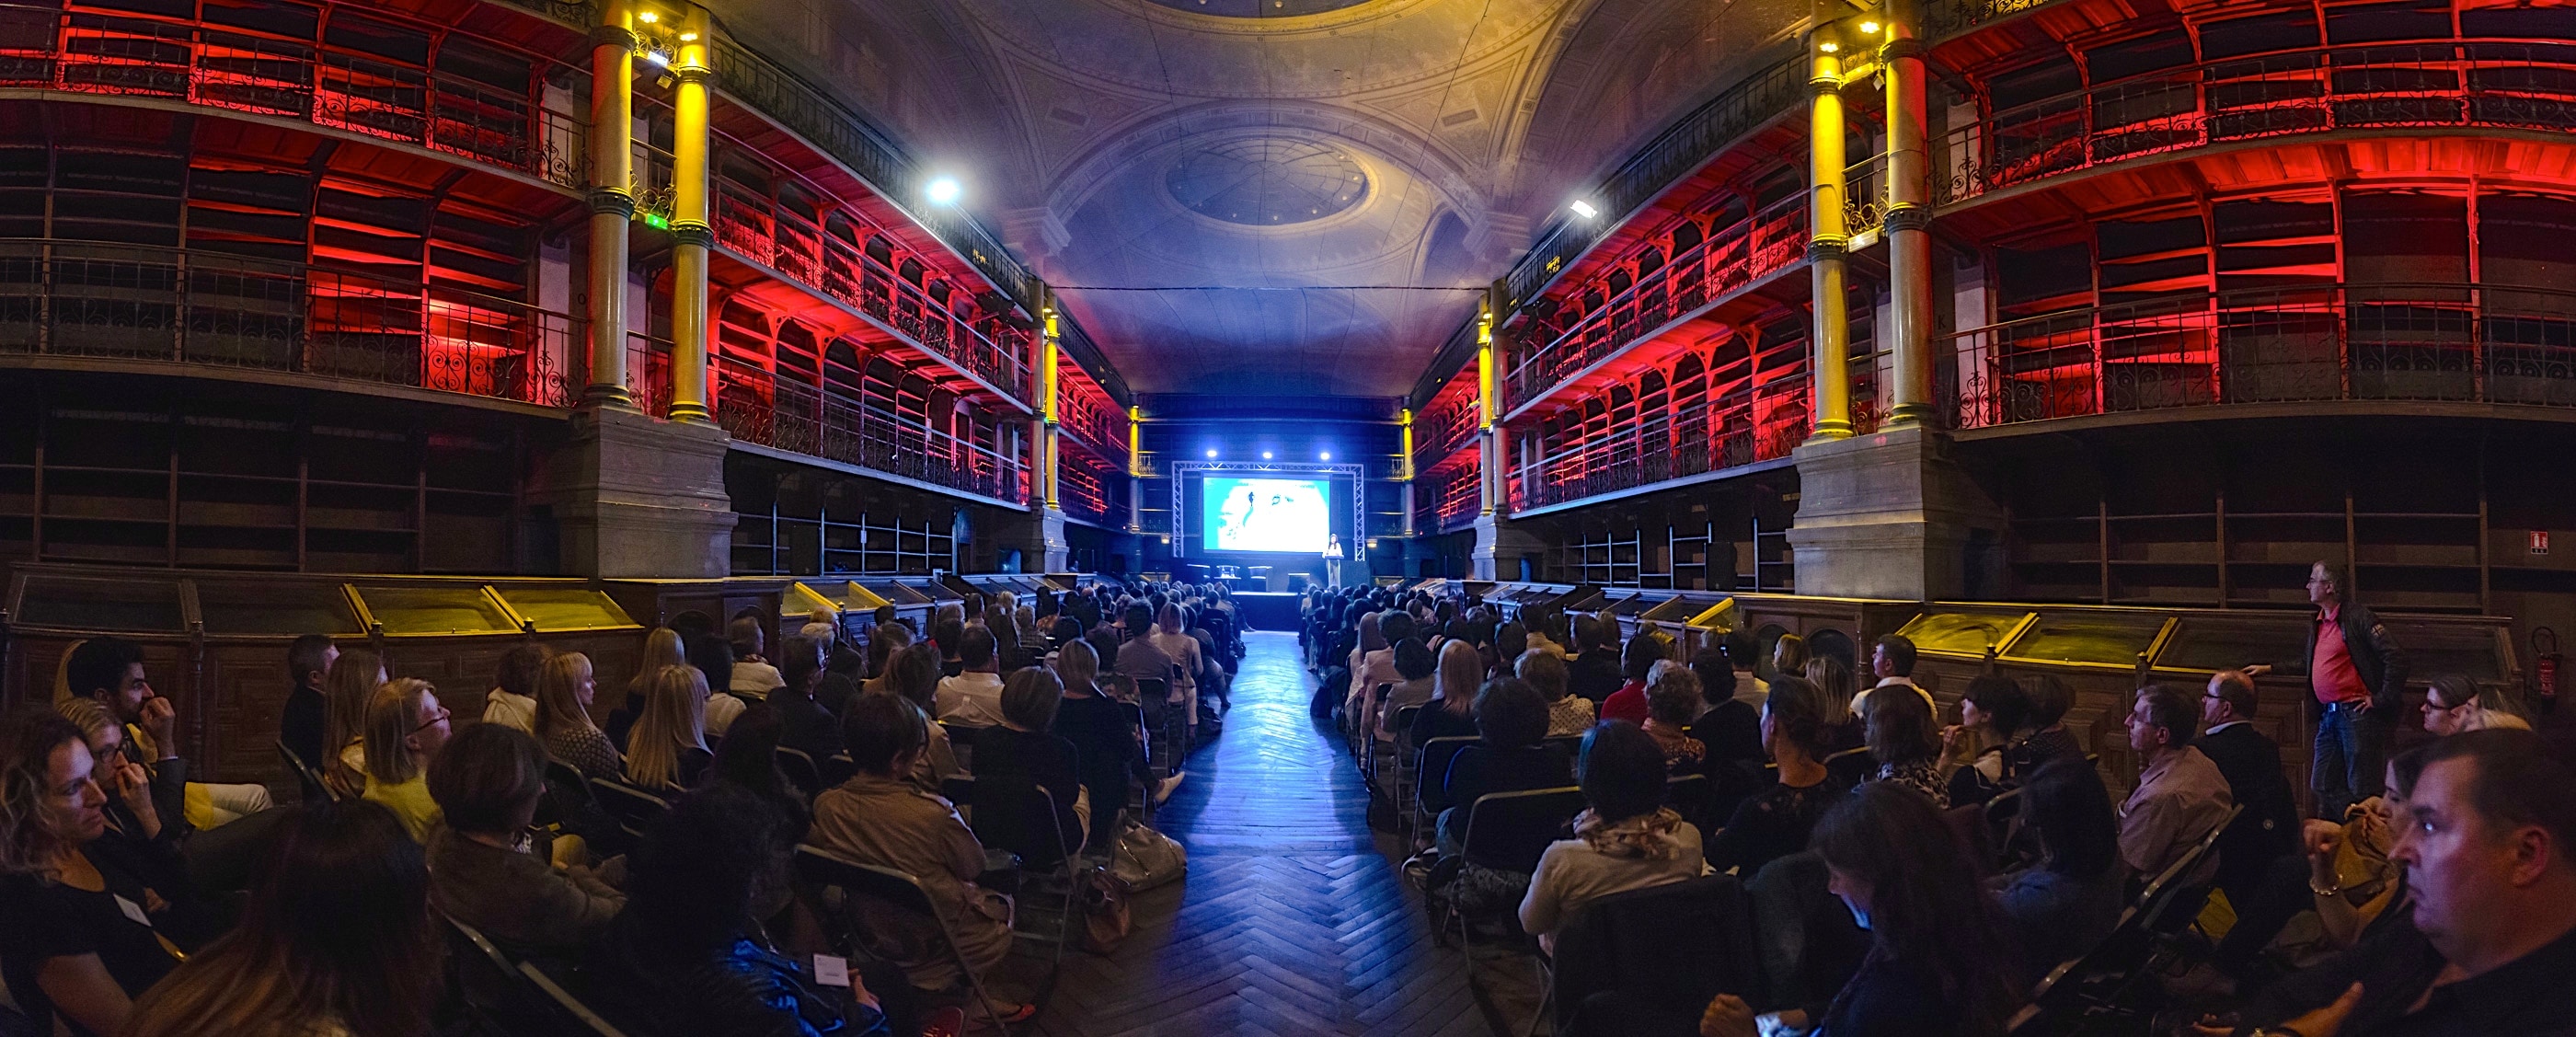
{"x":405,"y":728}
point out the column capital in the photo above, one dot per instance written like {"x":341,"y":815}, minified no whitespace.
{"x":1822,"y":248}
{"x":693,"y":233}
{"x":697,"y":74}
{"x":1898,"y":47}
{"x":613,"y":201}
{"x":615,"y":36}
{"x":1906,"y":216}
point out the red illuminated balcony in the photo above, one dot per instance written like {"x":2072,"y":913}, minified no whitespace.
{"x":1091,"y":491}
{"x":1093,"y":420}
{"x":2460,"y":344}
{"x":777,"y":410}
{"x":1449,"y":422}
{"x":1445,"y":495}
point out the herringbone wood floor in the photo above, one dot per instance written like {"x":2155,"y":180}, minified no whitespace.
{"x":1294,"y":919}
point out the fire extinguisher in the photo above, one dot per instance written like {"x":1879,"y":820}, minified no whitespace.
{"x":2544,"y":668}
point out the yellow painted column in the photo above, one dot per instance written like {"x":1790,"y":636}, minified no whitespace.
{"x":612,"y":201}
{"x":1048,"y":422}
{"x":1827,"y":239}
{"x":691,"y":232}
{"x":1909,"y":216}
{"x":1488,"y":416}
{"x":1404,"y":424}
{"x":1135,"y":469}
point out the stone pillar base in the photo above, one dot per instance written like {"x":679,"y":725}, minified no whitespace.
{"x":1499,"y":543}
{"x":636,"y":498}
{"x":1891,"y":515}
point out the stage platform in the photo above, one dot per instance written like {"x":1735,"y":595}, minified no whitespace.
{"x":1268,"y":610}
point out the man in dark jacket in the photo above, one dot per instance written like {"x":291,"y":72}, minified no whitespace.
{"x":2269,"y":827}
{"x":1594,"y":674}
{"x":2356,"y":678}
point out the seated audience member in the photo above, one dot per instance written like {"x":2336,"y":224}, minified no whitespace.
{"x":878,"y":817}
{"x":842,"y":666}
{"x":662,"y":647}
{"x":405,"y":728}
{"x":712,"y":656}
{"x":1992,"y":710}
{"x":565,"y":689}
{"x":1025,"y":746}
{"x":1789,"y":655}
{"x":1891,"y":664}
{"x":1729,"y":722}
{"x":1902,"y":742}
{"x":1511,"y":723}
{"x":883,"y":644}
{"x":947,"y":635}
{"x":1672,"y":701}
{"x":1843,"y":728}
{"x":353,"y":680}
{"x":1006,"y":641}
{"x":335,"y":941}
{"x":1451,"y":711}
{"x":2491,"y":935}
{"x":1743,"y":656}
{"x":1940,"y":961}
{"x":681,"y":953}
{"x":913,"y":676}
{"x":668,"y":748}
{"x":808,"y":727}
{"x":1776,"y":821}
{"x":2049,"y":740}
{"x":1627,"y":839}
{"x":2181,"y":797}
{"x":747,"y":759}
{"x":1636,"y":663}
{"x":512,"y":702}
{"x":819,"y":627}
{"x":2065,"y":904}
{"x":1567,"y":714}
{"x":2268,"y":830}
{"x":974,"y":695}
{"x":753,"y":676}
{"x":1594,"y":674}
{"x":487,"y":782}
{"x":1107,"y":743}
{"x":2454,"y":703}
{"x":108,"y":671}
{"x":300,"y":724}
{"x":76,"y":939}
{"x":1189,"y":663}
{"x":1419,"y":669}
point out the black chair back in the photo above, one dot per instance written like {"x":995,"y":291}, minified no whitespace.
{"x":1507,"y":831}
{"x":1694,"y":797}
{"x":634,"y":809}
{"x":571,"y":1016}
{"x":1569,"y":745}
{"x":837,"y":769}
{"x":1674,"y":946}
{"x":1012,"y":812}
{"x":1431,"y":770}
{"x":1850,"y":767}
{"x":801,"y":770}
{"x":305,"y":776}
{"x":958,"y":790}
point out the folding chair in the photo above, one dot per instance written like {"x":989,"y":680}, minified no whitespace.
{"x":1694,"y":797}
{"x":568,"y":807}
{"x":1154,"y":694}
{"x":839,"y":768}
{"x":1015,"y":814}
{"x":1676,"y":945}
{"x":1509,"y":831}
{"x":2096,"y":982}
{"x":1430,"y":771}
{"x":961,"y":737}
{"x":901,"y":892}
{"x":311,"y":780}
{"x":1368,"y":734}
{"x":513,"y":996}
{"x":567,"y":1007}
{"x":801,"y":770}
{"x":1850,"y":767}
{"x":632,"y":808}
{"x":1400,"y":793}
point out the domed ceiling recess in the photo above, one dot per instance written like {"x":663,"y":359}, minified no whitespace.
{"x":1257,"y":179}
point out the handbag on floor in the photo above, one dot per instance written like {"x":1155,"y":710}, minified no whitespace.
{"x":1144,"y":858}
{"x":1105,"y":916}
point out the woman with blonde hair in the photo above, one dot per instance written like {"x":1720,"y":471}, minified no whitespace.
{"x":668,"y":747}
{"x":662,"y":647}
{"x":1172,"y":635}
{"x":353,"y":680}
{"x":1451,"y":713}
{"x":565,"y":688}
{"x":405,"y":728}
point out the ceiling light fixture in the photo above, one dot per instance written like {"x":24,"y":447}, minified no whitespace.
{"x":1211,"y":453}
{"x":1830,"y":47}
{"x":688,"y":37}
{"x":944,"y":191}
{"x":657,"y":57}
{"x":1869,"y":27}
{"x":647,"y":17}
{"x":1265,"y":455}
{"x":1584,"y":209}
{"x":1326,"y":455}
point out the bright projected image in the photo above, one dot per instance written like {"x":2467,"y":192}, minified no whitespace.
{"x":1284,"y":515}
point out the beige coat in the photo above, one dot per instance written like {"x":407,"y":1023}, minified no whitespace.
{"x":890,"y":823}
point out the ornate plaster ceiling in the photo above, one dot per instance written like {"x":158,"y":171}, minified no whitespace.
{"x":1212,"y":179}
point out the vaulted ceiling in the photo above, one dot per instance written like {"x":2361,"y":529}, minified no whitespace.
{"x":1251,"y":196}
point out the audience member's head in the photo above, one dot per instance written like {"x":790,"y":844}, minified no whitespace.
{"x":104,"y":736}
{"x":308,"y":660}
{"x":1834,"y":681}
{"x":884,"y":640}
{"x":1738,"y":648}
{"x":2050,"y":698}
{"x":1079,"y":667}
{"x":2067,"y":805}
{"x":1510,"y":713}
{"x":746,"y":637}
{"x":913,"y":675}
{"x":674,"y":721}
{"x":1893,"y":656}
{"x":1462,"y":671}
{"x":2489,"y":846}
{"x":2230,"y":698}
{"x":488,"y":779}
{"x":1672,"y":694}
{"x":337,"y":930}
{"x":405,"y":728}
{"x":1893,"y":861}
{"x":800,"y":664}
{"x":1794,"y":718}
{"x":713,"y":657}
{"x":1789,"y":654}
{"x":1030,"y":698}
{"x":748,"y":754}
{"x":1544,"y":671}
{"x":883,"y":734}
{"x":109,"y":671}
{"x":1899,"y":728}
{"x":1621,"y":771}
{"x":1396,"y":626}
{"x":1994,"y":703}
{"x":1716,"y":675}
{"x":2160,"y":721}
{"x":51,"y":795}
{"x":516,"y":671}
{"x":2454,"y":703}
{"x":689,"y":887}
{"x":1372,"y":636}
{"x":949,"y":635}
{"x":976,"y":650}
{"x":565,"y":688}
{"x":1414,"y":661}
{"x":1643,"y":652}
{"x":662,"y":647}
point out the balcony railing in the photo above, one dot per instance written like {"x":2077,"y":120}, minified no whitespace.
{"x":1446,"y":497}
{"x":511,"y":128}
{"x":1748,"y":425}
{"x":1741,"y":254}
{"x":2329,"y":343}
{"x":1090,"y":414}
{"x":77,"y":299}
{"x":2499,"y":84}
{"x":757,"y":406}
{"x":1449,"y":423}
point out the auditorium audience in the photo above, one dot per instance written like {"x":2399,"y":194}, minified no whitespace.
{"x":336,"y":940}
{"x":2067,"y":902}
{"x":1415,"y":663}
{"x":884,"y":643}
{"x":1891,"y":664}
{"x":878,"y":817}
{"x":512,"y":702}
{"x":353,"y":680}
{"x":806,"y":726}
{"x":565,"y":689}
{"x":2454,"y":703}
{"x":1729,"y":721}
{"x":78,"y":935}
{"x":841,"y":675}
{"x":668,"y":748}
{"x":1025,"y":747}
{"x":1189,"y":662}
{"x":2269,"y":828}
{"x":1451,"y":713}
{"x":682,"y":952}
{"x":487,"y":783}
{"x":405,"y":728}
{"x":2049,"y":740}
{"x":300,"y":725}
{"x":1108,"y":745}
{"x":662,"y":647}
{"x":2181,"y":797}
{"x":974,"y":695}
{"x":1567,"y":714}
{"x":1902,"y":743}
{"x":108,"y":671}
{"x":1672,"y":701}
{"x":1511,"y":725}
{"x":1625,"y":838}
{"x":1776,"y":821}
{"x":1992,"y":710}
{"x":1636,"y":663}
{"x":1789,"y":655}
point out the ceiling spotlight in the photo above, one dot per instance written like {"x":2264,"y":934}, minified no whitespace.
{"x":1265,"y":455}
{"x":1326,"y":455}
{"x":1829,"y":47}
{"x":657,"y":57}
{"x":688,"y":37}
{"x":1584,"y":209}
{"x":647,"y":17}
{"x":1211,"y":453}
{"x":1869,"y":27}
{"x":944,"y":191}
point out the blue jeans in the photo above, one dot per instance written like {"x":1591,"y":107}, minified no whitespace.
{"x":2351,"y":757}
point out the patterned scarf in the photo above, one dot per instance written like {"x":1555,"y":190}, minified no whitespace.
{"x":1644,"y":837}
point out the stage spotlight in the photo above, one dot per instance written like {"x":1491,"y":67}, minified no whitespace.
{"x":1584,"y":209}
{"x":944,"y":191}
{"x":1211,"y":454}
{"x":1265,"y":455}
{"x":1326,"y":455}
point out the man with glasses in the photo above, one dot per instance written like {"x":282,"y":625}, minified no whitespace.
{"x":2356,"y":674}
{"x":2251,"y":763}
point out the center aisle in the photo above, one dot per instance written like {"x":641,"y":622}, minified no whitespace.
{"x":1293,"y":919}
